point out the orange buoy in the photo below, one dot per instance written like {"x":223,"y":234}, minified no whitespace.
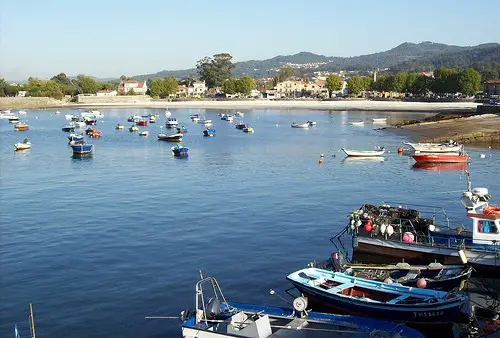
{"x":368,"y":226}
{"x":320,"y":161}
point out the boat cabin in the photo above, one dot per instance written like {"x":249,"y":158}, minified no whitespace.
{"x":485,"y":228}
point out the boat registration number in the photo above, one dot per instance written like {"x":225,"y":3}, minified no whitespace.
{"x":428,"y":314}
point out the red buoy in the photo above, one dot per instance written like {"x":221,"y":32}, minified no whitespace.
{"x":368,"y":226}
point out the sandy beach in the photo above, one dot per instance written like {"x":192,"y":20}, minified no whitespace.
{"x":340,"y":105}
{"x":320,"y":105}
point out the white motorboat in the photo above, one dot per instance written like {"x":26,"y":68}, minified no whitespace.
{"x":171,"y":122}
{"x":79,"y":124}
{"x":68,"y":117}
{"x":363,"y":153}
{"x":13,"y":119}
{"x":22,"y":113}
{"x":144,"y":133}
{"x":97,"y":114}
{"x":239,"y":114}
{"x":167,"y":114}
{"x":357,"y":123}
{"x":380,"y":120}
{"x":450,"y":147}
{"x":23,"y":145}
{"x":300,"y":125}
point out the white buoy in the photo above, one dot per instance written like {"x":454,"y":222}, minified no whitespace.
{"x":482,"y":156}
{"x":463,"y":257}
{"x":389,"y":230}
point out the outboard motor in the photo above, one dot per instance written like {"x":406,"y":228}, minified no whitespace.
{"x":213,"y":308}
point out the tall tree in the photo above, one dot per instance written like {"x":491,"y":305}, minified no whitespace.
{"x":399,"y":82}
{"x":62,"y":79}
{"x":468,"y":81}
{"x":215,"y":70}
{"x":285,"y":73}
{"x":245,"y":84}
{"x":170,"y":85}
{"x":423,"y":85}
{"x":355,"y":85}
{"x":230,"y":86}
{"x":410,"y":82}
{"x":85,"y":84}
{"x":333,"y":83}
{"x":445,"y":80}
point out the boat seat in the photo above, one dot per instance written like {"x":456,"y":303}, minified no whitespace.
{"x":412,"y":274}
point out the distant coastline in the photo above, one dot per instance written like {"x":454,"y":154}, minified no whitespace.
{"x":340,"y":105}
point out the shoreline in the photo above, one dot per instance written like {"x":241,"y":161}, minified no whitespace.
{"x":341,"y":105}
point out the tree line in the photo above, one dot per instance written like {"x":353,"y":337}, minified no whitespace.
{"x":57,"y":87}
{"x":444,"y":81}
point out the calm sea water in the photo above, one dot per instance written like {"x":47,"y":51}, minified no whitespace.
{"x":97,"y":244}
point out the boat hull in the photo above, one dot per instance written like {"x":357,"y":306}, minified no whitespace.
{"x":440,"y":158}
{"x":363,"y":153}
{"x":484,"y":263}
{"x":82,"y":149}
{"x":432,"y":313}
{"x":434,"y":148}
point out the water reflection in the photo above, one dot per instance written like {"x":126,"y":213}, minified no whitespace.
{"x":360,"y":159}
{"x":439,"y":166}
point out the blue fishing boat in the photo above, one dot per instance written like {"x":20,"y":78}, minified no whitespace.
{"x":75,"y":138}
{"x":358,"y":296}
{"x":215,"y":317}
{"x":209,"y":132}
{"x":70,"y":128}
{"x":180,"y":151}
{"x":82,"y":149}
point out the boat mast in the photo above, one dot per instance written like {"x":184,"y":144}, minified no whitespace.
{"x":467,"y":177}
{"x":32,"y":322}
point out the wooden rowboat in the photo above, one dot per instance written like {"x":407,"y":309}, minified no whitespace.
{"x":363,"y":153}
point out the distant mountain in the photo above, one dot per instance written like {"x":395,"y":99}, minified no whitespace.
{"x":407,"y":56}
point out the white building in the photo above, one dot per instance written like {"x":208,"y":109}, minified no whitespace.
{"x":21,"y":93}
{"x":106,"y":92}
{"x":199,"y":88}
{"x":138,"y":87}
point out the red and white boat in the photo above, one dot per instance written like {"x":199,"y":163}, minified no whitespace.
{"x":441,"y":158}
{"x":449,"y":147}
{"x":143,"y":123}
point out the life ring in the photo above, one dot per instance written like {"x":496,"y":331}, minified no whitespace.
{"x":492,"y":210}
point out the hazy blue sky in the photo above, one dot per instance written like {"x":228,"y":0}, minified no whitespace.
{"x":109,"y":38}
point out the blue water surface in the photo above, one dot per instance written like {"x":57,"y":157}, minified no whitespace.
{"x":96,"y":244}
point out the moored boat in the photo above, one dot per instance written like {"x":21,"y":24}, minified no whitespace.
{"x":171,"y":122}
{"x":437,"y":166}
{"x":215,"y":317}
{"x":357,"y":123}
{"x":133,"y":129}
{"x":240,"y":125}
{"x":441,"y":158}
{"x":21,"y":127}
{"x":358,"y":296}
{"x":152,"y":119}
{"x":94,"y":133}
{"x":425,"y":235}
{"x":209,"y":132}
{"x":300,"y":125}
{"x":239,"y":114}
{"x":170,"y":138}
{"x":134,"y":118}
{"x":434,"y":276}
{"x":180,"y":151}
{"x":311,"y":123}
{"x":142,"y":123}
{"x":119,"y":126}
{"x":82,"y":149}
{"x":364,"y":153}
{"x":248,"y":129}
{"x":182,"y":129}
{"x":144,"y":133}
{"x":449,"y":147}
{"x":69,"y":128}
{"x":22,"y":145}
{"x":380,"y":120}
{"x":75,"y":137}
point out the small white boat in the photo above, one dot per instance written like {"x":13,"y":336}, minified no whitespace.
{"x":21,"y":112}
{"x":450,"y":147}
{"x":363,"y":153}
{"x":97,"y":114}
{"x":239,"y":114}
{"x":58,"y":112}
{"x":204,"y":120}
{"x":80,"y":124}
{"x":119,"y":126}
{"x":68,"y":117}
{"x":167,"y":114}
{"x":311,"y":123}
{"x":13,"y":119}
{"x":380,"y":120}
{"x":23,"y":145}
{"x":6,"y":114}
{"x":144,"y":133}
{"x":357,"y":123}
{"x":171,"y":122}
{"x":300,"y":125}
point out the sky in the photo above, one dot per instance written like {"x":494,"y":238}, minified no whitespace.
{"x":109,"y":38}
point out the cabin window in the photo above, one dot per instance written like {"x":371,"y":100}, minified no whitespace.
{"x":487,"y":227}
